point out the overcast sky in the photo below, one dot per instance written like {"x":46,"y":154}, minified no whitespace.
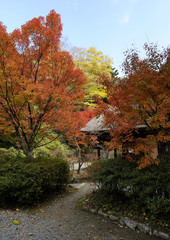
{"x":112,"y":26}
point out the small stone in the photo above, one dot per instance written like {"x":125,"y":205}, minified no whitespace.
{"x":144,"y":228}
{"x":114,"y":218}
{"x":122,"y":222}
{"x":93,"y":210}
{"x":160,"y":234}
{"x":102,"y":214}
{"x":130,"y":223}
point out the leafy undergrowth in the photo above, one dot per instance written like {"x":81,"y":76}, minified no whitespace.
{"x":123,"y":207}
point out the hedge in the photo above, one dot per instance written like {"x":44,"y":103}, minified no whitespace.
{"x":148,"y":187}
{"x":26,"y":182}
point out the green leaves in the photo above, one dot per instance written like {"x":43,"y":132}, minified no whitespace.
{"x":148,"y":187}
{"x":27,"y":183}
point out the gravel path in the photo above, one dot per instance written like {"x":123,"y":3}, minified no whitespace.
{"x":60,"y":220}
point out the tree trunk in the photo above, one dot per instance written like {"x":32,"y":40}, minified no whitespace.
{"x":115,"y":153}
{"x":29,"y":154}
{"x":79,"y":167}
{"x":98,"y":152}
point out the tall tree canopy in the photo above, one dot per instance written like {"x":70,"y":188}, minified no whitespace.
{"x":93,"y":63}
{"x":39,"y":84}
{"x":142,"y":98}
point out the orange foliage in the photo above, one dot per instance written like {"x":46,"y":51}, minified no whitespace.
{"x":39,"y":84}
{"x":79,"y":120}
{"x":141,"y":98}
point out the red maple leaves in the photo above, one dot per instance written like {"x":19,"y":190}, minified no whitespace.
{"x":141,"y":99}
{"x":39,"y":83}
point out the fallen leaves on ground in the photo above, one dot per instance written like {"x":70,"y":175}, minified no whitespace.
{"x":16,"y":222}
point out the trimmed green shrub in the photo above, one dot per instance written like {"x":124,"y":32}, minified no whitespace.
{"x":112,"y":174}
{"x":26,"y":182}
{"x":148,"y":187}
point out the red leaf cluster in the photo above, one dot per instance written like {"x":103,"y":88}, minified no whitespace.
{"x":39,"y":84}
{"x":140,"y":98}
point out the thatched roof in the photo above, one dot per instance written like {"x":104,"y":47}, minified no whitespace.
{"x":97,"y":124}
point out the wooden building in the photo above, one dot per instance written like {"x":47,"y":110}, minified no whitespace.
{"x":97,"y":127}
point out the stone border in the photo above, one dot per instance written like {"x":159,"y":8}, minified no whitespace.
{"x":125,"y":221}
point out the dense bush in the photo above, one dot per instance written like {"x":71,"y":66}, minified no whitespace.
{"x":148,"y":187}
{"x":26,"y":182}
{"x":112,"y":174}
{"x":10,"y":154}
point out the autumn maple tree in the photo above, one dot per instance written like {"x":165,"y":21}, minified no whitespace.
{"x":139,"y":100}
{"x":76,"y":138}
{"x":39,"y":84}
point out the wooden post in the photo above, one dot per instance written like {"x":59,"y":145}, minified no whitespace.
{"x":115,"y":153}
{"x":98,"y":152}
